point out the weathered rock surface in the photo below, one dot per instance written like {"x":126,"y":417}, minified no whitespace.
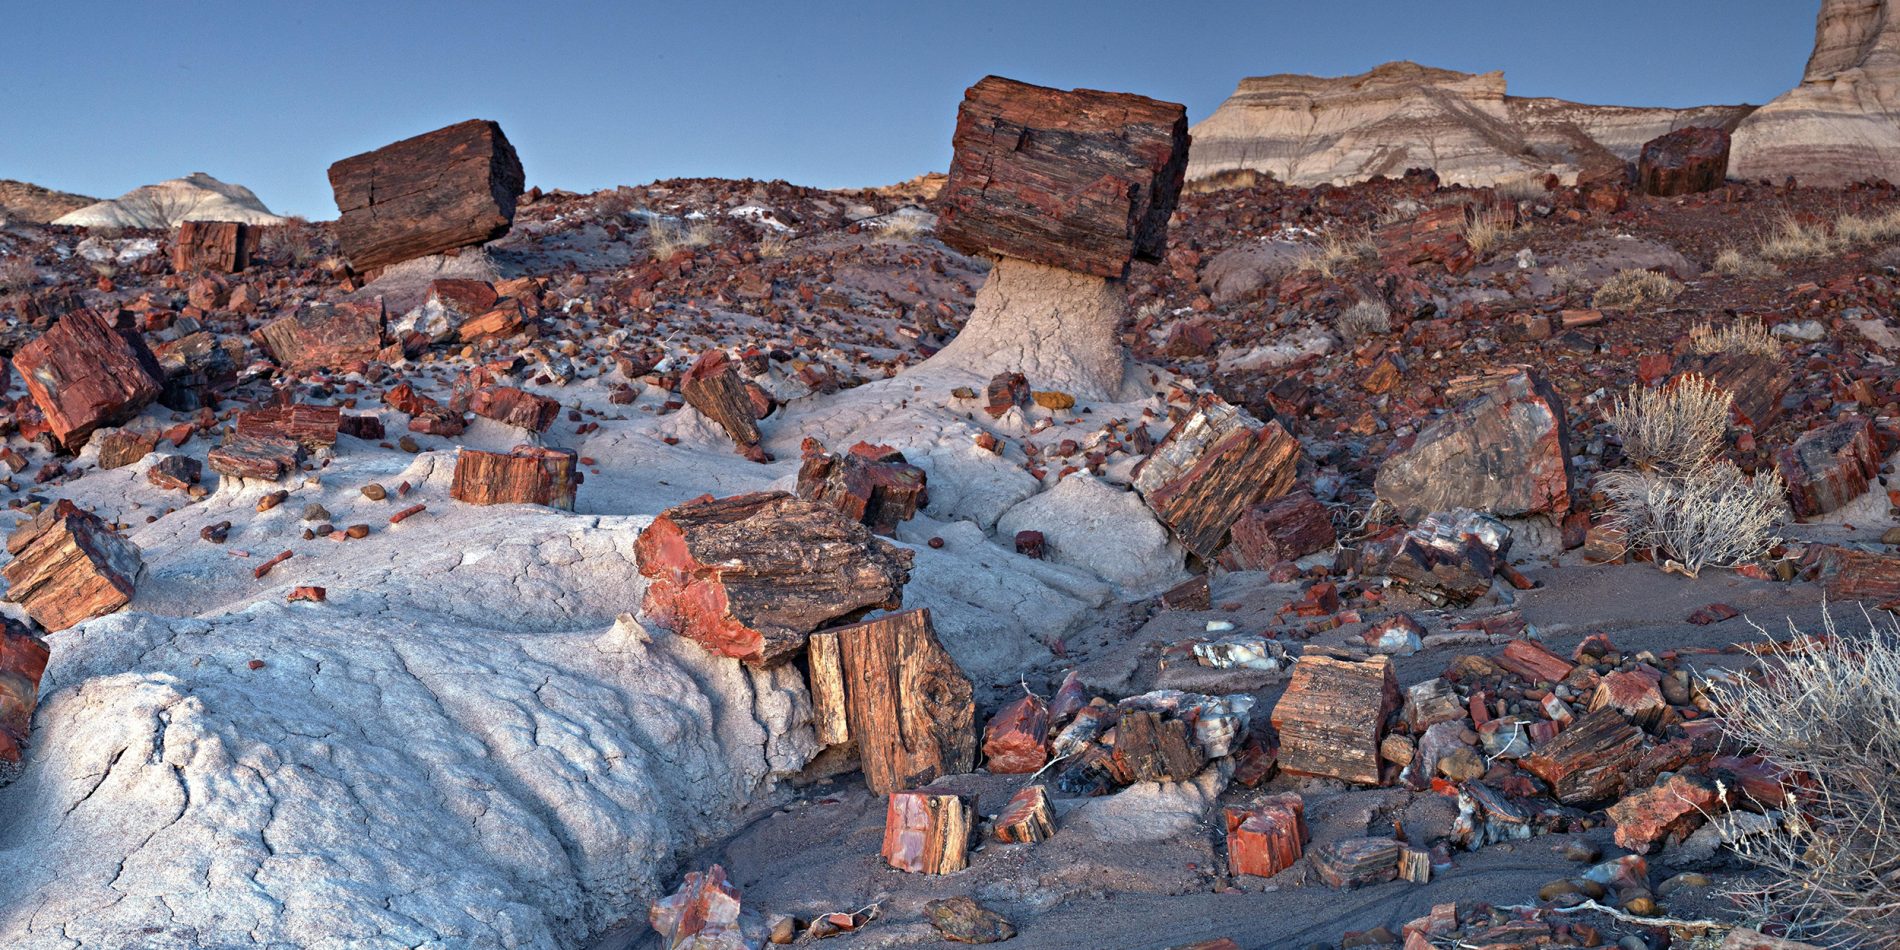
{"x":1081,"y":510}
{"x":83,"y":374}
{"x":325,"y":336}
{"x":1504,"y":451}
{"x":450,"y":188}
{"x":25,"y":201}
{"x":1059,"y":328}
{"x":1842,"y":123}
{"x":1683,"y":162}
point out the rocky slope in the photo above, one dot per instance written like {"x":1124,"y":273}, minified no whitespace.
{"x":1842,"y":123}
{"x":24,"y":201}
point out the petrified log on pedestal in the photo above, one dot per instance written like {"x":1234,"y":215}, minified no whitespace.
{"x":753,"y":575}
{"x":222,"y":246}
{"x":713,"y":387}
{"x":526,"y":475}
{"x":22,"y":662}
{"x":928,"y":834}
{"x":871,"y":484}
{"x":1213,"y":466}
{"x":68,"y":566}
{"x":1332,"y":716}
{"x":84,"y":374}
{"x":450,"y":188}
{"x":325,"y":336}
{"x":910,"y":707}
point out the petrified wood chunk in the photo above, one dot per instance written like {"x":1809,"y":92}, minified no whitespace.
{"x":1027,"y":818}
{"x":122,"y":447}
{"x":1683,"y":162}
{"x":515,"y":407}
{"x":505,"y":320}
{"x":1756,"y":382}
{"x":255,"y":456}
{"x":1213,"y":466}
{"x":1266,"y":838}
{"x":753,"y":575}
{"x":1332,"y":716}
{"x":911,"y":708}
{"x":174,"y":472}
{"x":84,"y":374}
{"x":1436,"y":236}
{"x":1533,"y":661}
{"x":963,"y":920}
{"x":928,"y":834}
{"x":325,"y":336}
{"x":704,"y":914}
{"x":438,"y":191}
{"x":1283,"y":529}
{"x":1081,"y":180}
{"x":1668,"y":810}
{"x":1504,"y":452}
{"x":68,"y":567}
{"x":824,"y":661}
{"x":222,"y":246}
{"x":871,"y":484}
{"x":525,"y":475}
{"x":1586,"y":763}
{"x":313,"y":427}
{"x":1006,"y":391}
{"x":1830,"y":466}
{"x":1017,"y":738}
{"x":22,"y":663}
{"x":1853,"y":574}
{"x":1156,"y":749}
{"x":1356,"y":862}
{"x":713,"y":387}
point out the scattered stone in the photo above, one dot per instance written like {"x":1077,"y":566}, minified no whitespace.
{"x":928,"y":834}
{"x":965,"y":921}
{"x":705,"y":914}
{"x":174,"y":472}
{"x":1005,"y":391}
{"x":1284,"y":529}
{"x":69,"y":567}
{"x":266,"y":457}
{"x":450,"y":188}
{"x":515,"y":407}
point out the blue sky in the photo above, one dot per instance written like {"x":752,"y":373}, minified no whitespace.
{"x":101,"y":97}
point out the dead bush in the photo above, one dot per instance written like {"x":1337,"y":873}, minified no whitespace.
{"x":895,"y":228}
{"x":1363,"y":319}
{"x":1225,"y":180}
{"x":1337,"y":252}
{"x":1708,"y":516}
{"x":668,"y":236}
{"x":1796,"y":240}
{"x":1630,"y":289}
{"x":1827,"y":708}
{"x":1487,"y":229}
{"x":774,"y":245}
{"x":1672,"y":430}
{"x":1732,"y":262}
{"x":1742,"y":336}
{"x":296,"y":243}
{"x":17,"y":273}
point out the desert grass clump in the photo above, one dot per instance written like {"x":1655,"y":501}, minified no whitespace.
{"x":1225,"y":180}
{"x":774,"y":245}
{"x":1522,"y":189}
{"x":902,"y":228}
{"x":1732,"y":262}
{"x":1363,"y":319}
{"x":1796,"y":240}
{"x":1630,"y":289}
{"x":1337,"y":252}
{"x":1708,"y":516}
{"x":1826,"y":708}
{"x":1487,"y":229}
{"x":1674,"y":429}
{"x":668,"y":236}
{"x":1748,"y":337}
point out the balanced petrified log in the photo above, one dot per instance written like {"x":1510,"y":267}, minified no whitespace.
{"x":1830,"y":466}
{"x":450,"y":188}
{"x":22,"y":663}
{"x":713,"y":387}
{"x":1081,"y":180}
{"x":68,"y":567}
{"x":753,"y":575}
{"x":1356,"y":862}
{"x":1332,"y":716}
{"x":515,"y":407}
{"x":313,"y":427}
{"x":871,"y":484}
{"x":1266,"y":838}
{"x":222,"y":246}
{"x":1283,"y":529}
{"x":1027,"y":818}
{"x":1504,"y":452}
{"x":1683,"y":162}
{"x":525,"y":475}
{"x":1153,"y":748}
{"x":84,"y":374}
{"x":1587,"y":762}
{"x":911,"y":709}
{"x":928,"y":834}
{"x":1214,"y":465}
{"x":325,"y":336}
{"x":256,"y":456}
{"x":1017,"y":739}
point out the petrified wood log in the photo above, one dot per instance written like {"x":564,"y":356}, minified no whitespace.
{"x":438,"y":191}
{"x":1152,"y":748}
{"x":1017,"y":738}
{"x":122,"y":447}
{"x":928,"y":834}
{"x":22,"y":663}
{"x":1668,"y":810}
{"x":1756,"y":382}
{"x":713,"y":387}
{"x":1586,"y":763}
{"x":1683,"y":162}
{"x":68,"y":567}
{"x":753,"y":575}
{"x":871,"y":484}
{"x":830,"y":717}
{"x":1266,"y":838}
{"x":911,"y":709}
{"x":1853,"y":574}
{"x":1356,"y":862}
{"x":704,"y":914}
{"x":1081,"y":180}
{"x":255,"y":456}
{"x":515,"y":407}
{"x":1436,"y":236}
{"x":1830,"y":466}
{"x":313,"y":427}
{"x":1214,"y":465}
{"x":1283,"y":529}
{"x":1533,"y":661}
{"x":1027,"y":818}
{"x":525,"y":475}
{"x":222,"y":246}
{"x":84,"y":374}
{"x":325,"y":336}
{"x":1332,"y":716}
{"x":174,"y":472}
{"x":1504,"y":452}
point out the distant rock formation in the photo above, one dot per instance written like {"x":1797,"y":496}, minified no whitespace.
{"x":23,"y":201}
{"x":1842,"y":123}
{"x":1308,"y":130}
{"x":195,"y":197}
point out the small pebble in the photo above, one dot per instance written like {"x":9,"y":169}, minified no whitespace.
{"x":375,"y":492}
{"x":315,"y":512}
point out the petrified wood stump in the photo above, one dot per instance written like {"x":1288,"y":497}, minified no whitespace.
{"x":1027,"y":818}
{"x":1332,"y":716}
{"x":84,"y":374}
{"x":910,"y":706}
{"x":870,"y":484}
{"x":69,"y":567}
{"x":1266,"y":838}
{"x":453,"y":187}
{"x":222,"y":246}
{"x":325,"y":336}
{"x":1213,"y":466}
{"x":713,"y":387}
{"x":753,"y":575}
{"x":22,"y":663}
{"x":525,"y":475}
{"x":928,"y":834}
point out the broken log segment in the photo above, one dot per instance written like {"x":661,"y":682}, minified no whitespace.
{"x":825,"y":674}
{"x":1016,"y":740}
{"x":1266,"y":838}
{"x":1027,"y":818}
{"x":221,"y":246}
{"x":69,"y":567}
{"x":325,"y":336}
{"x":871,"y":484}
{"x":525,"y":475}
{"x":713,"y":387}
{"x":1156,"y":749}
{"x":255,"y":456}
{"x":85,"y":374}
{"x":1586,"y":763}
{"x":1356,"y":862}
{"x":1213,"y":466}
{"x":313,"y":427}
{"x":453,"y":187}
{"x":1332,"y":716}
{"x":22,"y":662}
{"x":911,"y":709}
{"x":928,"y":834}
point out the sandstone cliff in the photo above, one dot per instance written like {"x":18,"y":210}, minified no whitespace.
{"x":1842,"y":123}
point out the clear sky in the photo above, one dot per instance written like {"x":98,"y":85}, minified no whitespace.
{"x":100,"y":97}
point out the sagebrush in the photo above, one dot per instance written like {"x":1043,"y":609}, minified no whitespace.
{"x":1630,"y":289}
{"x":1742,"y":336}
{"x":1674,"y":429}
{"x":1709,"y":516}
{"x":1363,"y":319}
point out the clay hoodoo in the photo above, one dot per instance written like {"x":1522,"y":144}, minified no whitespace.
{"x":1842,"y":123}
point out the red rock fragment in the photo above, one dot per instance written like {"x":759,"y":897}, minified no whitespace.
{"x":1713,"y":613}
{"x":1030,"y":544}
{"x":1667,"y":811}
{"x":84,"y":374}
{"x":928,"y":834}
{"x":68,"y":567}
{"x":407,"y":513}
{"x":1283,"y":529}
{"x":1266,"y":838}
{"x":1504,"y":451}
{"x":1356,"y":862}
{"x":1533,"y":662}
{"x":713,"y":387}
{"x":266,"y":457}
{"x":1016,"y":740}
{"x":325,"y":336}
{"x":515,"y":407}
{"x":22,"y":662}
{"x":873,"y":485}
{"x":315,"y":595}
{"x":313,"y":427}
{"x":704,"y":914}
{"x":1214,"y":465}
{"x":265,"y":568}
{"x":525,"y":475}
{"x":120,"y":447}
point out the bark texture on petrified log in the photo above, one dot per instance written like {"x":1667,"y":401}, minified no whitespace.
{"x":223,"y":246}
{"x":871,"y":484}
{"x":255,"y":456}
{"x":1027,"y":818}
{"x":525,"y":475}
{"x":1154,"y":749}
{"x":1213,"y":466}
{"x":1683,"y":162}
{"x":1587,"y":761}
{"x":824,"y":664}
{"x":713,"y":387}
{"x":1756,"y":382}
{"x":1281,"y":529}
{"x":68,"y":567}
{"x":313,"y":427}
{"x":751,"y":576}
{"x":1828,"y":467}
{"x":22,"y":663}
{"x":438,"y":191}
{"x":1332,"y":716}
{"x":1059,"y":328}
{"x":911,"y":708}
{"x":84,"y":374}
{"x":325,"y":336}
{"x":1082,"y":180}
{"x":515,"y":407}
{"x":1356,"y":862}
{"x":928,"y":834}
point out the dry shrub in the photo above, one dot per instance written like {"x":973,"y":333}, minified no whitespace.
{"x":902,"y":228}
{"x":1742,"y":336}
{"x":17,"y":272}
{"x":774,"y":245}
{"x":668,"y":236}
{"x":1337,"y":252}
{"x":1487,"y":229}
{"x":1522,"y":189}
{"x":614,"y":202}
{"x":1225,"y":180}
{"x":1674,"y":429}
{"x":1828,"y":709}
{"x":1363,"y":319}
{"x":1797,"y":240}
{"x":1708,"y":516}
{"x":1734,"y":263}
{"x":1630,"y":289}
{"x":296,"y":242}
